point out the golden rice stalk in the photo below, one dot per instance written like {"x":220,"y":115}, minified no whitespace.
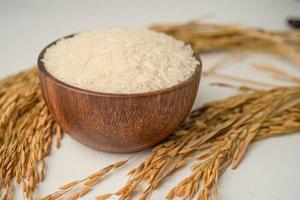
{"x":276,"y":73}
{"x":218,"y":134}
{"x":26,"y":131}
{"x":77,"y":189}
{"x":205,"y":37}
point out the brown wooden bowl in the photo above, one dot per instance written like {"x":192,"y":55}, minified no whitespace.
{"x":118,"y":122}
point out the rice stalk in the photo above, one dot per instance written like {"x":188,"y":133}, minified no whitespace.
{"x":79,"y":188}
{"x":207,"y":37}
{"x":26,"y":131}
{"x":216,"y":135}
{"x":277,"y":73}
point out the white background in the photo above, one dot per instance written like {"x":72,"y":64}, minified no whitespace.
{"x":271,"y":168}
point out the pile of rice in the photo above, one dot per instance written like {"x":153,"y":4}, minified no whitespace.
{"x":125,"y":60}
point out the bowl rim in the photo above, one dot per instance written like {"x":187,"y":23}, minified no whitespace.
{"x":42,"y":69}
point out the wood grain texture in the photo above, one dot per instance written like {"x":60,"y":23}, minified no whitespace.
{"x":118,"y":122}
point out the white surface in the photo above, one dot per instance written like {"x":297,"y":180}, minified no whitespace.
{"x":270,"y":169}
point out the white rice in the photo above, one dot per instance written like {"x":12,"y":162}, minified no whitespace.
{"x":125,"y":60}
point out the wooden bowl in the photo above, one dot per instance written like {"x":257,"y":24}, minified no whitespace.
{"x":118,"y":122}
